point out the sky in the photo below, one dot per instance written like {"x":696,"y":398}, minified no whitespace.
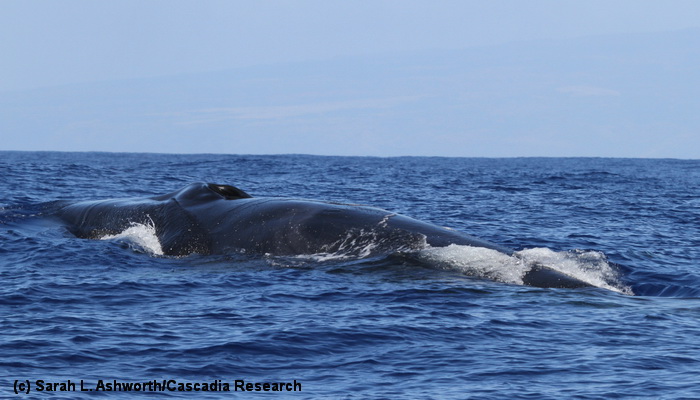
{"x":55,"y":43}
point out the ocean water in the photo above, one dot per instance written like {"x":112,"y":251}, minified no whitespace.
{"x":459,"y":325}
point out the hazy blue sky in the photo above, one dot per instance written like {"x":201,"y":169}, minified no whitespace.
{"x":46,"y":43}
{"x":54,"y":42}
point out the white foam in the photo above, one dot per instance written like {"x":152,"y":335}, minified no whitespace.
{"x":476,"y":261}
{"x":588,"y":266}
{"x":356,"y":245}
{"x":359,"y":244}
{"x":141,"y":235}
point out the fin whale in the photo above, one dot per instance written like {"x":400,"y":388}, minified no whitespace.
{"x":209,"y":218}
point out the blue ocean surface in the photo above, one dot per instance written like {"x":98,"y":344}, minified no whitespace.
{"x":117,"y":312}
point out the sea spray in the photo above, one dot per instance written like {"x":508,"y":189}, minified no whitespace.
{"x":141,"y":235}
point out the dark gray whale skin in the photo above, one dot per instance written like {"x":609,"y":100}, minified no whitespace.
{"x":221,"y":219}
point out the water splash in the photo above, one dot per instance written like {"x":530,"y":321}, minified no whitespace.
{"x":476,"y":261}
{"x":363,"y":243}
{"x":588,"y":266}
{"x":141,"y":235}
